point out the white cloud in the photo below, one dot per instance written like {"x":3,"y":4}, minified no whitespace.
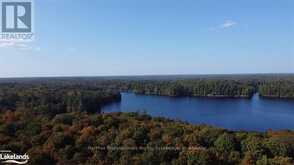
{"x":6,"y":44}
{"x":225,"y":25}
{"x":19,"y":45}
{"x":228,"y":24}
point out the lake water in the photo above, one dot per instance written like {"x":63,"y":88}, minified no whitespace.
{"x":254,"y":114}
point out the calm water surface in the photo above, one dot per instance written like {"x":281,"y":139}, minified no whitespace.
{"x":236,"y":114}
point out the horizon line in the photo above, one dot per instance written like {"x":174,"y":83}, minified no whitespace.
{"x":142,"y":75}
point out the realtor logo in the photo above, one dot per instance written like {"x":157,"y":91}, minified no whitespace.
{"x":16,"y":20}
{"x":16,"y":17}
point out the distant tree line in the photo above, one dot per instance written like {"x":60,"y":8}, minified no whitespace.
{"x":234,"y":86}
{"x":206,"y":88}
{"x":267,"y":88}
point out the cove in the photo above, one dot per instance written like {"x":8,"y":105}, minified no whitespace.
{"x":254,"y":114}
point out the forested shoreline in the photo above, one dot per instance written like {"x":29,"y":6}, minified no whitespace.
{"x":195,"y":88}
{"x":277,"y":89}
{"x":222,"y":86}
{"x":55,"y":99}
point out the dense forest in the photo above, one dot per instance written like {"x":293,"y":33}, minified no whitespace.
{"x":56,"y":99}
{"x":277,"y":89}
{"x":131,"y":138}
{"x":207,"y":88}
{"x":267,"y":86}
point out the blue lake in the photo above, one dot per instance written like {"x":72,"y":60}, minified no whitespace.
{"x":254,"y":114}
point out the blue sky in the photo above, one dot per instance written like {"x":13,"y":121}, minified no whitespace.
{"x":131,"y":37}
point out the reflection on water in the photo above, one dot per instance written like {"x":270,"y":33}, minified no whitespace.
{"x":236,"y":114}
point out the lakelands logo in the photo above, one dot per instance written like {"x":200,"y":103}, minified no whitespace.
{"x":12,"y":158}
{"x":16,"y":20}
